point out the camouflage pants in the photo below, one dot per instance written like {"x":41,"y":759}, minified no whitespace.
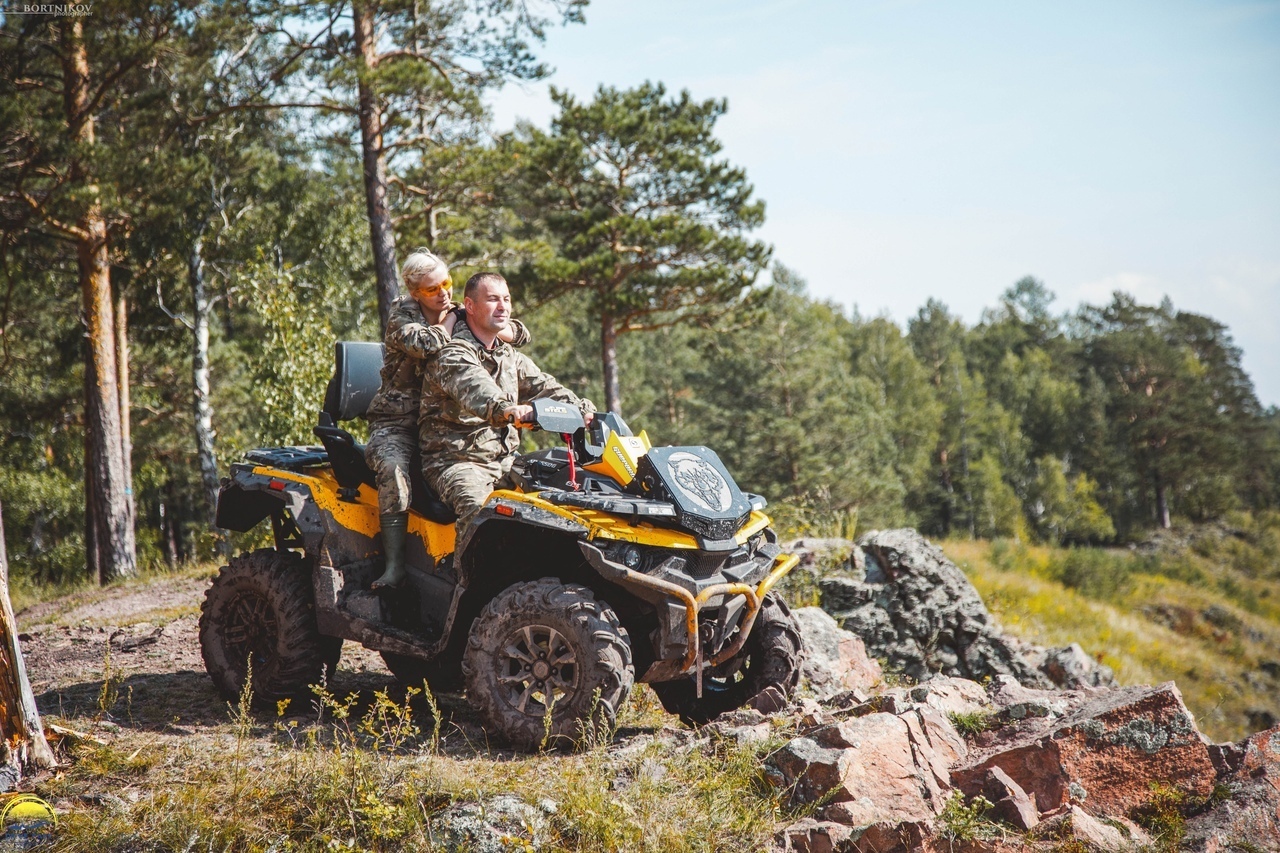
{"x":466,"y":486}
{"x":391,"y":453}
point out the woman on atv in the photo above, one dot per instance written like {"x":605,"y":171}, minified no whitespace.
{"x":421,"y":323}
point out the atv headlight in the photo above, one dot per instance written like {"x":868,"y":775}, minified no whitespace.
{"x":631,"y":557}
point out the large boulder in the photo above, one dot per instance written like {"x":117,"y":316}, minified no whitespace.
{"x":886,"y":776}
{"x":1103,"y":751}
{"x":916,"y":610}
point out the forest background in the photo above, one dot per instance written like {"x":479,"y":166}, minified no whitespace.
{"x":197,"y":199}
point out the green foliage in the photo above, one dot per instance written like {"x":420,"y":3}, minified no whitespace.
{"x":643,"y":216}
{"x":971,"y":723}
{"x":1183,"y":609}
{"x":1163,"y":816}
{"x":959,"y":821}
{"x":623,"y":216}
{"x":1066,"y":509}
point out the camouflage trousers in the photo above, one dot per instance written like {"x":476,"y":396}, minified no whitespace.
{"x":466,"y":486}
{"x":391,"y":453}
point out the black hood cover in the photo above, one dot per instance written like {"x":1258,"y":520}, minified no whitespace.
{"x":708,"y":501}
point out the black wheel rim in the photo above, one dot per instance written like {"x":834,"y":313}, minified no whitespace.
{"x":537,"y":670}
{"x":250,"y":629}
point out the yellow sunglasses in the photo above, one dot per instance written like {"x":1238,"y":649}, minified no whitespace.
{"x":433,"y":289}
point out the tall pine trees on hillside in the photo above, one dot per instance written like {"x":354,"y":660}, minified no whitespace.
{"x":642,"y":214}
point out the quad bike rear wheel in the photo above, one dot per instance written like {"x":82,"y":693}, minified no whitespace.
{"x":771,"y":658}
{"x":260,"y":613}
{"x":548,"y":665}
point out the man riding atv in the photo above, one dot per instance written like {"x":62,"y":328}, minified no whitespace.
{"x":580,"y":569}
{"x":475,"y":391}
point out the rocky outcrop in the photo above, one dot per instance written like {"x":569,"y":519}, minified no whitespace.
{"x":1069,"y":767}
{"x":1250,"y":807}
{"x":1103,"y":754}
{"x":917,"y":612}
{"x":835,"y":660}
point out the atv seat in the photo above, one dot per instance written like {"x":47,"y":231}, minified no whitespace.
{"x":356,"y":379}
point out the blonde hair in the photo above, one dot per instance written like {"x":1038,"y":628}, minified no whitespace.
{"x":419,"y":265}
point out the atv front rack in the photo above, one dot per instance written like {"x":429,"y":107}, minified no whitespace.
{"x":667,"y":670}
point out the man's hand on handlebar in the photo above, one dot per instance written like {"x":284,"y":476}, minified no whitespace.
{"x":519,"y":415}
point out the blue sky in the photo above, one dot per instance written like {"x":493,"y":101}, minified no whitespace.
{"x":915,"y":149}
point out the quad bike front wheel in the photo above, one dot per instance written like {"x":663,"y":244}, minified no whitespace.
{"x":770,"y":658}
{"x":259,"y":614}
{"x":547,"y":665}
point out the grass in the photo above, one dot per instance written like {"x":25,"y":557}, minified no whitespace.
{"x":362,"y":776}
{"x":1192,"y":616}
{"x":971,"y":723}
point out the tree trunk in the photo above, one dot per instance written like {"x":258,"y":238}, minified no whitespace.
{"x":122,"y":382}
{"x":104,"y":462}
{"x":92,"y":553}
{"x":381,"y":234}
{"x":20,"y":724}
{"x":609,"y":357}
{"x":205,"y":434}
{"x":1162,"y":504}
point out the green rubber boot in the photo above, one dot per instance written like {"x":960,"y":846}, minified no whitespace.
{"x":394,"y":527}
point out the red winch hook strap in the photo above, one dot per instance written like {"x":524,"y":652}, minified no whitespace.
{"x":573,"y":468}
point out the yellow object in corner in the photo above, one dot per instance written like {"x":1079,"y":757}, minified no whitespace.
{"x":621,"y":457}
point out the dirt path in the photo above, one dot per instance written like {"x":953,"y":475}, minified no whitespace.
{"x":142,"y":642}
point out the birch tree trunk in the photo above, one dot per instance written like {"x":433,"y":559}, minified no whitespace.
{"x":19,"y":718}
{"x":122,"y":383}
{"x":201,"y":308}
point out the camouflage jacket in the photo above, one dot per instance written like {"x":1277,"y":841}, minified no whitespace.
{"x":466,"y":391}
{"x":408,"y":342}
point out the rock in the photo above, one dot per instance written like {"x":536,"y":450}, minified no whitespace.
{"x":815,"y":551}
{"x":1070,"y":667}
{"x":1078,"y":825}
{"x":835,"y":660}
{"x":1009,"y":802}
{"x":1251,"y":811}
{"x":887,"y":776}
{"x":1104,"y":754}
{"x":494,"y":826}
{"x":1005,"y":693}
{"x":816,"y":836}
{"x":771,"y":700}
{"x":916,"y":610}
{"x":919,"y":612}
{"x":952,"y":695}
{"x":745,"y":726}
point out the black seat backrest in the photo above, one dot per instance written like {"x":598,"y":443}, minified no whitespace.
{"x":357,"y":376}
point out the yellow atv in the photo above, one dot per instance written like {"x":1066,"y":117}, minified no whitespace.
{"x":612,"y":559}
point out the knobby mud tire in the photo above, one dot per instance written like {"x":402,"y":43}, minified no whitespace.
{"x":771,"y":658}
{"x":261,"y":607}
{"x":547,"y":621}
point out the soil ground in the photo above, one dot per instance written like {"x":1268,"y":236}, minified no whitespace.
{"x":129,"y":656}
